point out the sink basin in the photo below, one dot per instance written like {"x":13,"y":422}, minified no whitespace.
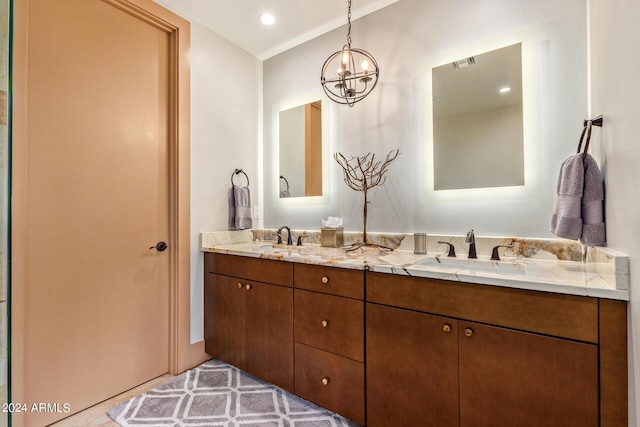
{"x":275,"y":248}
{"x":479,"y":264}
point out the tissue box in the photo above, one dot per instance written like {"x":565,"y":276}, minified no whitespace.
{"x":332,"y":237}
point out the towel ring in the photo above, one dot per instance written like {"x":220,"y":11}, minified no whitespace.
{"x":239,"y":171}
{"x":285,"y":180}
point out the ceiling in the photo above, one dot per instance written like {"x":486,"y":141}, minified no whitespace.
{"x":297,"y":21}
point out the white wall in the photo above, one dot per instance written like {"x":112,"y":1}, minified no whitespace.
{"x":402,"y":37}
{"x":226,"y":92}
{"x":615,"y":93}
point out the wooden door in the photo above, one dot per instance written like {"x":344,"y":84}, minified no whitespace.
{"x":224,"y":328}
{"x":512,"y":378}
{"x":92,"y":183}
{"x":269,"y":333}
{"x":412,"y":368}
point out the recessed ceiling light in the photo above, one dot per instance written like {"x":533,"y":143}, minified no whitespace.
{"x":267,"y":19}
{"x":505,"y":90}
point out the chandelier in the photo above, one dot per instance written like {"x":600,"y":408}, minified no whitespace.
{"x":356,"y":72}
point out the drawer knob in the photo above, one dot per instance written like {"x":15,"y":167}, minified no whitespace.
{"x":325,"y":380}
{"x":325,"y":279}
{"x":324,"y":323}
{"x":446,"y":328}
{"x":247,"y":286}
{"x":239,"y":285}
{"x":468,"y":332}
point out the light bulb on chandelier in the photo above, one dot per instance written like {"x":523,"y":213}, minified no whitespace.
{"x":350,"y":84}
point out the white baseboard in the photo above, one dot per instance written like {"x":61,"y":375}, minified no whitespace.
{"x":198,"y":355}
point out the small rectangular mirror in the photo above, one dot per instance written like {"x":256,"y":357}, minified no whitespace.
{"x":300,"y":148}
{"x":478,"y":121}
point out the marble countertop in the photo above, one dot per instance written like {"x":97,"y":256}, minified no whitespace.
{"x":602,"y":276}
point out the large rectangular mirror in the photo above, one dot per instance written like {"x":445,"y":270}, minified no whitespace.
{"x":477,"y":121}
{"x":300,"y":151}
{"x":300,"y":147}
{"x":482,"y":124}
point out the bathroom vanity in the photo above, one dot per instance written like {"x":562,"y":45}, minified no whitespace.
{"x":479,"y":354}
{"x":392,"y":349}
{"x":249,"y":315}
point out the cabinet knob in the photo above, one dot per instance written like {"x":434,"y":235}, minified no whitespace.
{"x":325,"y":279}
{"x":247,"y":286}
{"x":446,"y":328}
{"x":468,"y":332}
{"x":325,"y":380}
{"x":239,"y":285}
{"x":324,"y":323}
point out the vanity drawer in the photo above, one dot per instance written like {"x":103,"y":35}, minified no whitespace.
{"x":566,"y":316}
{"x":330,"y":280}
{"x":256,"y":269}
{"x":332,"y":323}
{"x":331,"y":381}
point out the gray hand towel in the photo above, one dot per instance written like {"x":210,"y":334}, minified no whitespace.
{"x":566,"y":221}
{"x":240,"y":208}
{"x":579,"y":208}
{"x":593,"y":228}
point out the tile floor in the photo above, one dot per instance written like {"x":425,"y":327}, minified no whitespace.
{"x":96,"y":416}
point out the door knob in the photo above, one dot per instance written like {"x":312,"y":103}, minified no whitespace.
{"x":160,"y":246}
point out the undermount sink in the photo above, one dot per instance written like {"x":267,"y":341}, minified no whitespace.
{"x":279,"y":248}
{"x":479,"y":264}
{"x":275,"y":248}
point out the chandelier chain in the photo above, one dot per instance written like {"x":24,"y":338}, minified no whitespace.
{"x":357,"y":72}
{"x":349,"y":24}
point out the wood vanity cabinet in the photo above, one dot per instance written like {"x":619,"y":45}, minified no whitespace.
{"x":452,"y":354}
{"x":412,"y":368}
{"x":249,"y":323}
{"x":329,"y":338}
{"x":437,"y":353}
{"x":510,"y":377}
{"x":225,"y":326}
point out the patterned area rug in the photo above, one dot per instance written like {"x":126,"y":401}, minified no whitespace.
{"x":217,"y":394}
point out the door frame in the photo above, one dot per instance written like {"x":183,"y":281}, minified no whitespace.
{"x":178,"y":31}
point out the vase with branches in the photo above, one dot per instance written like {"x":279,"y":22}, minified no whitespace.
{"x":363,"y":173}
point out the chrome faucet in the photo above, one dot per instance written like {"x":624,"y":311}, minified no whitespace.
{"x":471,"y":240}
{"x":289,"y":238}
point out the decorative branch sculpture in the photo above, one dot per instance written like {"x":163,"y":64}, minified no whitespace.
{"x":362,"y":174}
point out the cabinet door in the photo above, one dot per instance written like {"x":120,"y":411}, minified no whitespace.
{"x":224,"y":327}
{"x":269,"y":333}
{"x":412,"y":368}
{"x":511,"y":378}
